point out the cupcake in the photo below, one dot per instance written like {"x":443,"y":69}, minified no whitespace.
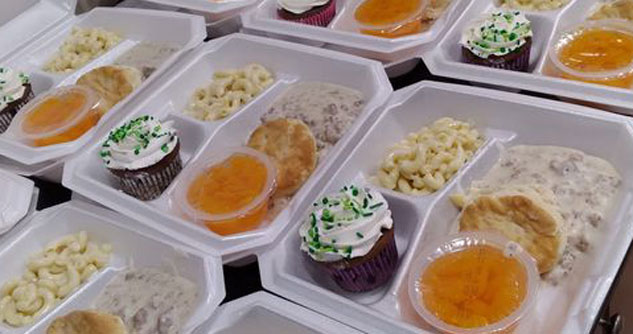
{"x":15,"y":92}
{"x":350,"y":234}
{"x":501,"y":39}
{"x":312,"y":12}
{"x":144,"y":155}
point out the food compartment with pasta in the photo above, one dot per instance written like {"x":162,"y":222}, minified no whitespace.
{"x":530,"y":156}
{"x":269,"y":152}
{"x":113,"y":53}
{"x":68,"y":263}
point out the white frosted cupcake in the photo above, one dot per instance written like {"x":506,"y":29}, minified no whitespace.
{"x":351,"y":235}
{"x":144,"y":155}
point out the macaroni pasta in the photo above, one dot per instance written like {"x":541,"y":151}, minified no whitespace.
{"x":229,"y":90}
{"x":82,"y":46}
{"x":51,"y":275}
{"x":425,"y":160}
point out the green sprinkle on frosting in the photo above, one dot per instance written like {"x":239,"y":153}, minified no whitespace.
{"x":499,"y":33}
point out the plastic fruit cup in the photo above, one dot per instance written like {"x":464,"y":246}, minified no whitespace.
{"x":408,"y":25}
{"x":622,"y":77}
{"x":244,"y":219}
{"x":57,"y":116}
{"x":458,"y":242}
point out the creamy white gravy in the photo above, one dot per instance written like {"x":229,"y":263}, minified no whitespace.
{"x":583,"y":185}
{"x":149,"y":300}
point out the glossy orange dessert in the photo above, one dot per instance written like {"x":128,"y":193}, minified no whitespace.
{"x":390,"y":18}
{"x":597,"y":54}
{"x":474,"y":287}
{"x":230,"y":191}
{"x":60,"y":116}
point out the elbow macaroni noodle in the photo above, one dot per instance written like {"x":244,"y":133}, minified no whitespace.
{"x":82,"y":46}
{"x":51,"y":275}
{"x":425,"y":160}
{"x":229,"y":90}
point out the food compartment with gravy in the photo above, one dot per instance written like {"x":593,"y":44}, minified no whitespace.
{"x":561,"y":39}
{"x":204,"y":144}
{"x":117,"y":246}
{"x":410,"y":26}
{"x":420,"y":219}
{"x":106,"y":50}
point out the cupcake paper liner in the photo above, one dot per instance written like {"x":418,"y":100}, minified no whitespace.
{"x":370,"y":274}
{"x":8,"y":113}
{"x":514,"y":62}
{"x":321,"y":18}
{"x":149,"y":186}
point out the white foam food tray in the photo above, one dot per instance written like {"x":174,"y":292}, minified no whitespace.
{"x":289,"y":63}
{"x":134,"y":25}
{"x":342,"y":34}
{"x":263,"y":312}
{"x":132,"y":246}
{"x":506,"y":119}
{"x":445,"y":59}
{"x":22,"y":21}
{"x":212,"y":9}
{"x":15,"y":199}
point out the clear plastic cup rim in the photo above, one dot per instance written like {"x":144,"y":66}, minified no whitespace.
{"x":458,"y":242}
{"x":92,"y":101}
{"x":607,"y":24}
{"x":412,"y":17}
{"x":180,"y":194}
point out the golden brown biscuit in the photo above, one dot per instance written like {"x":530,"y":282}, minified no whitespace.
{"x":84,"y":322}
{"x":290,"y":143}
{"x":522,"y":216}
{"x":113,"y":83}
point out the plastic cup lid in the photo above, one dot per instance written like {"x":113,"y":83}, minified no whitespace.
{"x":422,"y":6}
{"x":567,"y":35}
{"x":457,"y":242}
{"x":15,"y":199}
{"x":56,"y":123}
{"x":182,"y":188}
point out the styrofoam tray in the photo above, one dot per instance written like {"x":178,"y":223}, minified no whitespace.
{"x":504,"y":118}
{"x":131,"y":245}
{"x":262,"y":312}
{"x":15,"y":199}
{"x":445,"y":59}
{"x":289,"y":63}
{"x":211,"y":9}
{"x":17,"y":20}
{"x":135,"y":25}
{"x":342,"y":34}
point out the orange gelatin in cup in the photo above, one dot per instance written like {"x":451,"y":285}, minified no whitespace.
{"x":392,"y":18}
{"x":56,"y":111}
{"x":410,"y":28}
{"x":599,"y":50}
{"x":475,"y":287}
{"x":227,"y":188}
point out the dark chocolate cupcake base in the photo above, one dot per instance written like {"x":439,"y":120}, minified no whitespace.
{"x":518,"y":60}
{"x":149,"y":183}
{"x":370,"y":271}
{"x":8,"y":113}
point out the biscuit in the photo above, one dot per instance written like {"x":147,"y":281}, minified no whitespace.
{"x":112,"y":83}
{"x":290,"y":143}
{"x":83,"y":322}
{"x":525,"y":216}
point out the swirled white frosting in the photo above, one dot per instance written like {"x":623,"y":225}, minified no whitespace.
{"x":11,"y":86}
{"x":139,"y":143}
{"x":345,"y":225}
{"x":498,"y":33}
{"x":300,"y":6}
